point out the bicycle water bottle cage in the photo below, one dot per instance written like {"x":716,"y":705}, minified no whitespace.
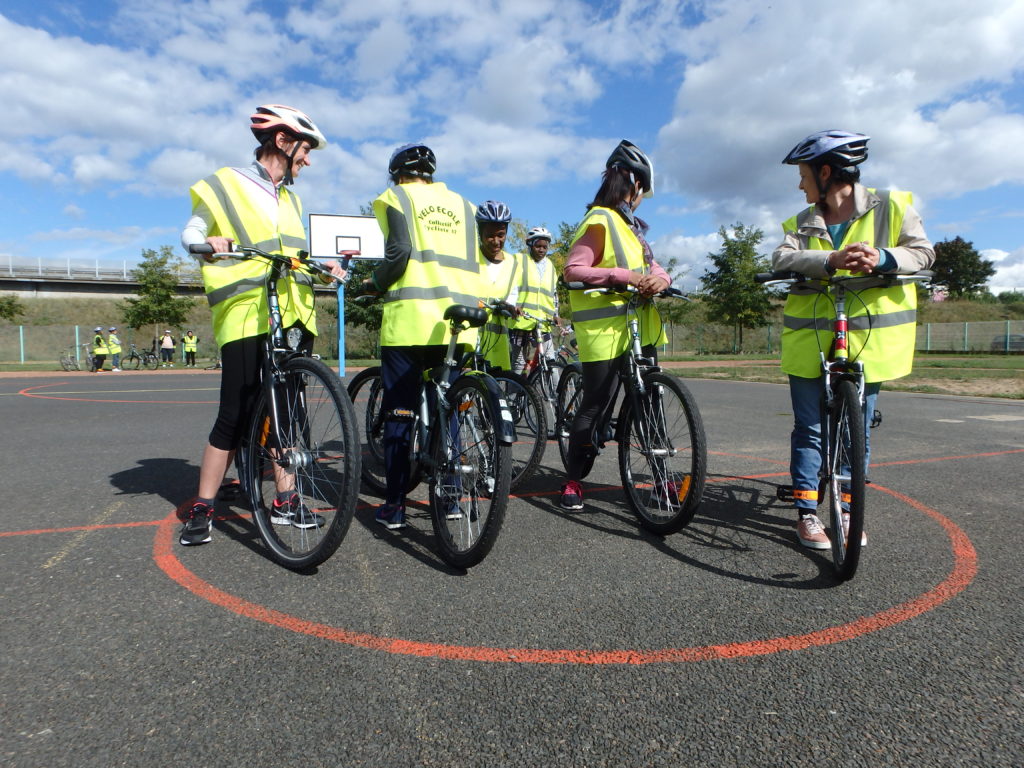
{"x":474,"y":317}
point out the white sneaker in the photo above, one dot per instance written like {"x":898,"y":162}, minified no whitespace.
{"x":115,"y":369}
{"x":811,"y":533}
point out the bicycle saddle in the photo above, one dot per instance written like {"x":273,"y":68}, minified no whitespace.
{"x":474,"y":317}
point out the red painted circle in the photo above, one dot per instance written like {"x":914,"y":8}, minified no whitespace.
{"x":965,"y":566}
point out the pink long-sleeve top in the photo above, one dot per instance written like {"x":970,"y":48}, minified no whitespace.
{"x":588,"y":251}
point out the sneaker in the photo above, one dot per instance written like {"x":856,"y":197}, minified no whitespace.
{"x":846,"y":531}
{"x":572,"y":496}
{"x":294,"y":512}
{"x":281,"y":512}
{"x":198,"y":525}
{"x":391,"y":516}
{"x":811,"y":533}
{"x":115,"y":369}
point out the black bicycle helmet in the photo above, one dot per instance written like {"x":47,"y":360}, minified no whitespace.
{"x":493,"y":211}
{"x":631,"y":158}
{"x":412,"y":160}
{"x":840,"y":149}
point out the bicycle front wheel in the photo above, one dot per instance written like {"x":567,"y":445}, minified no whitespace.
{"x":67,"y":363}
{"x":570,"y":393}
{"x":544,"y":381}
{"x":314,"y":465}
{"x":473,"y":471}
{"x":131,"y":363}
{"x":662,"y":454}
{"x":367,"y":394}
{"x":151,"y":362}
{"x":530,"y":422}
{"x":846,"y":474}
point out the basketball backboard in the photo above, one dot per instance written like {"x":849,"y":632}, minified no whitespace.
{"x":331,"y":234}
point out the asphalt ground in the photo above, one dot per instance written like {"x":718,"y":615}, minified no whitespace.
{"x":580,"y":641}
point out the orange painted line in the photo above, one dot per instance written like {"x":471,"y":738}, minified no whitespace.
{"x":949,"y":458}
{"x":965,"y":567}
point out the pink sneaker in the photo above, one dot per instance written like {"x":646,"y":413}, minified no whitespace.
{"x":846,"y":530}
{"x":811,"y":533}
{"x":572,"y":496}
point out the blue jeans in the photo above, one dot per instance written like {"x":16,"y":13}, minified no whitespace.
{"x":805,"y":440}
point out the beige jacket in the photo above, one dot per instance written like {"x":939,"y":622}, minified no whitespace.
{"x":913,"y":252}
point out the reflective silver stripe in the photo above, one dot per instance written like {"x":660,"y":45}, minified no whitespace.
{"x":430,"y":294}
{"x":882,"y":221}
{"x":451,"y":262}
{"x":221,"y":193}
{"x":302,"y":277}
{"x":234,"y":289}
{"x":599,"y":313}
{"x":470,"y":235}
{"x":467,"y":263}
{"x":291,"y":241}
{"x":858,"y":323}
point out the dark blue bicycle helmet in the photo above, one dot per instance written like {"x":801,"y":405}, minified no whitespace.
{"x":840,"y":149}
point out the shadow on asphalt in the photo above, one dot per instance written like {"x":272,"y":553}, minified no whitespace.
{"x":173,"y":480}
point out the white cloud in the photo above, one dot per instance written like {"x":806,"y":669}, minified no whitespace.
{"x":73,"y":211}
{"x":1009,"y":266}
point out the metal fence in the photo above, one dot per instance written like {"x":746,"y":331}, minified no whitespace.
{"x":40,"y":343}
{"x":52,"y":269}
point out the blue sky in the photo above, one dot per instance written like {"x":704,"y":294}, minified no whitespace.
{"x":115,"y":108}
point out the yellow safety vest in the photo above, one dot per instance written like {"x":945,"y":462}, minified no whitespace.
{"x":600,"y":320}
{"x":114,"y":344}
{"x":235,"y":288}
{"x":99,"y":345}
{"x":442,"y":269}
{"x":497,"y":285}
{"x":536,"y":293}
{"x":190,"y":343}
{"x":882,"y":321}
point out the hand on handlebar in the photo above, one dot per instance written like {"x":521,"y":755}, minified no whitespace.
{"x":649,"y":285}
{"x":336,"y":269}
{"x":219,"y":245}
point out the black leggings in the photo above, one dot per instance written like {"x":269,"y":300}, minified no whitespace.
{"x":600,"y":379}
{"x":240,"y":387}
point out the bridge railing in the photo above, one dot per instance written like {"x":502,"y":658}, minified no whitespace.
{"x":53,"y":269}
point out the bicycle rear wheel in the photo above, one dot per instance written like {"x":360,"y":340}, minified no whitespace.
{"x":530,"y":422}
{"x":67,"y":363}
{"x":318,"y":460}
{"x":846,"y":474}
{"x":662,"y":454}
{"x":544,"y":381}
{"x":367,"y":394}
{"x":473,"y":471}
{"x":570,"y":393}
{"x":131,"y":363}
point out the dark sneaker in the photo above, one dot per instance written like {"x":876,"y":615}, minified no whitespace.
{"x":811,"y":533}
{"x":281,"y":512}
{"x":572,"y":496}
{"x":294,"y":512}
{"x":197,"y":526}
{"x":391,"y":516}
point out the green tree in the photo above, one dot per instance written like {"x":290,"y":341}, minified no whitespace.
{"x":961,"y":269}
{"x":730,"y":294}
{"x":11,"y":308}
{"x":158,"y":302}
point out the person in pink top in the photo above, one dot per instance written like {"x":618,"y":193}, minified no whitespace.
{"x":609,"y":249}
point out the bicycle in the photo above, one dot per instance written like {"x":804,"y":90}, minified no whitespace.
{"x":147,"y":359}
{"x":662,"y":449}
{"x":89,"y":358}
{"x":68,"y":360}
{"x":542,"y":371}
{"x":843,"y":472}
{"x":461,"y":443}
{"x":301,"y":435}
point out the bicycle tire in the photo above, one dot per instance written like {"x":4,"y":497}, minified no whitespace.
{"x":366,"y":392}
{"x":530,"y":422}
{"x":570,"y":392}
{"x":846,"y":451}
{"x":67,"y":363}
{"x":150,"y":361}
{"x":545,"y":384}
{"x":662,"y":454}
{"x":131,"y":363}
{"x":473,"y":471}
{"x":319,"y":434}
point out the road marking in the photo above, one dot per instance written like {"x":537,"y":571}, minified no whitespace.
{"x":949,"y":421}
{"x":999,"y":417}
{"x":83,"y":534}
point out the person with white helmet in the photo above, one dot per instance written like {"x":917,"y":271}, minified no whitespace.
{"x":847,"y":229}
{"x":538,"y":295}
{"x":114,"y":345}
{"x":167,"y":344}
{"x":430,"y":262}
{"x":609,"y":248}
{"x":253,"y":206}
{"x":500,"y":277}
{"x":99,"y":349}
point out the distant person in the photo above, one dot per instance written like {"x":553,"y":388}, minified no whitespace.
{"x":190,"y":343}
{"x":848,"y":229}
{"x":252,"y":206}
{"x":537,"y":295}
{"x":500,"y":277}
{"x":99,"y":349}
{"x":609,"y":248}
{"x":114,"y":345}
{"x":167,"y":345}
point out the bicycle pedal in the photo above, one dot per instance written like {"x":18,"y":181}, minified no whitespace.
{"x":784,"y":492}
{"x":402,"y":414}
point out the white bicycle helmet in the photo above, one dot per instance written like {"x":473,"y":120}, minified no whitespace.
{"x":538,"y":233}
{"x":277,"y":117}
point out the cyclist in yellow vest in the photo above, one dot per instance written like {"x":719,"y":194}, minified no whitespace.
{"x":848,"y":229}
{"x":609,"y":248}
{"x":190,"y":343}
{"x":99,"y":349}
{"x":500,"y":276}
{"x":538,"y":295}
{"x":430,"y":263}
{"x":114,"y":345}
{"x":251,"y":206}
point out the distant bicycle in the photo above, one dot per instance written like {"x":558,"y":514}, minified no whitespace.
{"x":68,"y":360}
{"x":134,"y":359}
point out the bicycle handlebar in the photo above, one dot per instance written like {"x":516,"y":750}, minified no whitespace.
{"x":301,"y":262}
{"x":668,"y":293}
{"x":875,"y":278}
